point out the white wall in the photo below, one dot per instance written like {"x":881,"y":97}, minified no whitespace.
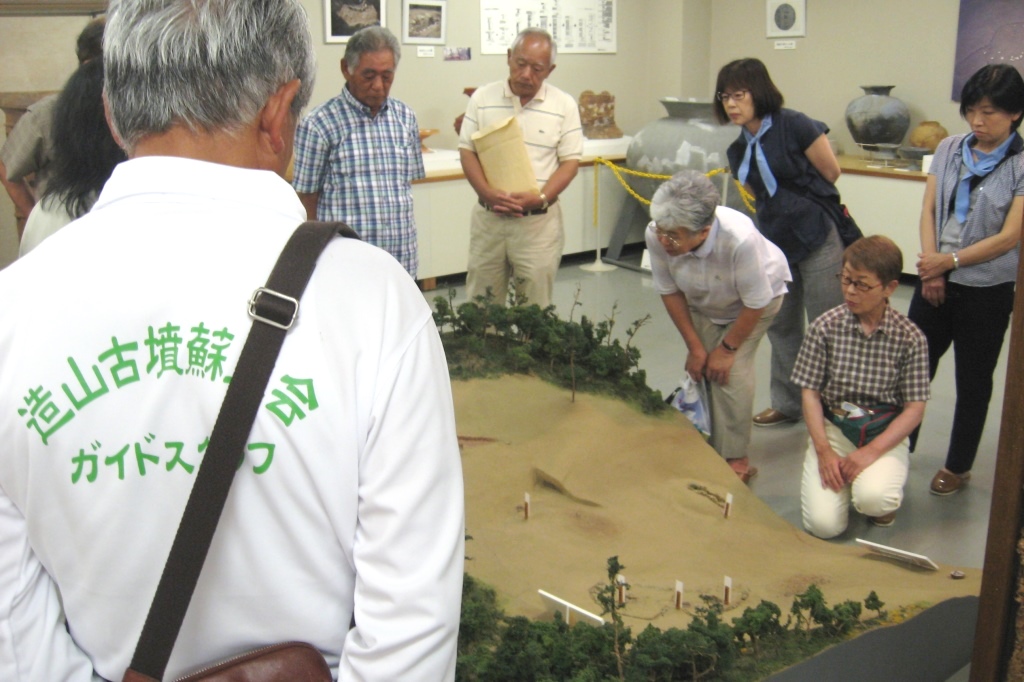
{"x":665,"y":48}
{"x":907,"y":43}
{"x":638,"y":74}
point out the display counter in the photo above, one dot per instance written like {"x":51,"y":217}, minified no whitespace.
{"x":443,"y":200}
{"x":885,"y":200}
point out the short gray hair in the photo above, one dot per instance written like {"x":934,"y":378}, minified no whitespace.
{"x":371,"y":39}
{"x":535,"y":33}
{"x":687,"y":200}
{"x":209,"y":65}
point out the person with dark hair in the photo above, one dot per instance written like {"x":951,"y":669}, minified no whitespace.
{"x":860,"y":358}
{"x":970,"y":234}
{"x":722,"y":284}
{"x":28,"y":150}
{"x":84,"y":156}
{"x":783,"y":157}
{"x":89,"y":45}
{"x":357,"y":154}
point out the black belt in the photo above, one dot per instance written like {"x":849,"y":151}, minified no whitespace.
{"x":536,"y":211}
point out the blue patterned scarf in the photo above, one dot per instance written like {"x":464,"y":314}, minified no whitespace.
{"x":980,"y":168}
{"x":762,"y":163}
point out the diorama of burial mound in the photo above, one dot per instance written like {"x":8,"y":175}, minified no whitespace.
{"x":579,"y":477}
{"x":605,"y":480}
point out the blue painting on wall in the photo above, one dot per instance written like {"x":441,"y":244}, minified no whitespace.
{"x":989,"y":32}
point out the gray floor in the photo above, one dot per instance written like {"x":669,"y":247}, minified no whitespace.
{"x":950,"y":530}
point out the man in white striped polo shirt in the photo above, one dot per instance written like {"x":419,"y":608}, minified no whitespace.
{"x":520,"y":234}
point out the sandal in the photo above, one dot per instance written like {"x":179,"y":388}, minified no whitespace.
{"x":741,"y":465}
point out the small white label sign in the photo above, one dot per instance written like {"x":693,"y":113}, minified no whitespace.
{"x":424,"y":50}
{"x":785,"y":44}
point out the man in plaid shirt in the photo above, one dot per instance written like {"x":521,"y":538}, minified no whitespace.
{"x":857,"y":356}
{"x":357,"y":154}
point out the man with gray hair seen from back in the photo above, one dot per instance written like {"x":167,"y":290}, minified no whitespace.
{"x":520,"y":234}
{"x":344,"y":524}
{"x":357,"y":154}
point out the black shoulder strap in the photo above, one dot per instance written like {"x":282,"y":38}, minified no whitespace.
{"x":274,"y":309}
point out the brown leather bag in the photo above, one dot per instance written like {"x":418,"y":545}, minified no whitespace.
{"x":288,"y":662}
{"x":274,"y":308}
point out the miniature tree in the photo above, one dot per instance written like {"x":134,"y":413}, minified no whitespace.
{"x":478,"y":629}
{"x":757,"y":623}
{"x":873,"y":603}
{"x":708,"y":626}
{"x":846,"y":616}
{"x":514,"y":659}
{"x":671,"y":655}
{"x":607,"y":597}
{"x":813,"y":601}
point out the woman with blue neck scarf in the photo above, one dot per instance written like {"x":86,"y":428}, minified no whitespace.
{"x":783,"y":157}
{"x":970,"y":229}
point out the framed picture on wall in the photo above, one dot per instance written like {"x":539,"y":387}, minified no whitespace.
{"x":423,"y":21}
{"x":786,"y":18}
{"x":342,"y":18}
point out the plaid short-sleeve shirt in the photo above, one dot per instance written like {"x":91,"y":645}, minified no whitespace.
{"x":838,"y":359}
{"x":363,"y":167}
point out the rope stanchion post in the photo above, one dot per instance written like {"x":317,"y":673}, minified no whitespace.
{"x":598,"y":265}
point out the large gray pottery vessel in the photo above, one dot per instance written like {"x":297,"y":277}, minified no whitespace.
{"x":688,"y":138}
{"x":876,"y":117}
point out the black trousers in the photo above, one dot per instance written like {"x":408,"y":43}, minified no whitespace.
{"x":973,"y":320}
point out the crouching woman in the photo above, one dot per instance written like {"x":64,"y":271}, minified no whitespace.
{"x":863,"y":372}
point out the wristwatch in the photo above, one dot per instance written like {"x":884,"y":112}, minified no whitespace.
{"x":544,"y":198}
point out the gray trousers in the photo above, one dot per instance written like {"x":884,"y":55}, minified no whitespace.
{"x":813,"y":291}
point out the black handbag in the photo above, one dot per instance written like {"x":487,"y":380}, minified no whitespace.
{"x":274,"y":309}
{"x":848,"y":229}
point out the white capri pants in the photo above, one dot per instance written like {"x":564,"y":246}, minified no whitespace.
{"x":877,"y":491}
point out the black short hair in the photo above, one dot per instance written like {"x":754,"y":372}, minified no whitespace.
{"x":752,"y":75}
{"x":90,"y":40}
{"x":1001,"y":84}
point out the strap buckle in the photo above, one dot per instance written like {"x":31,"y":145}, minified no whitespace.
{"x":276,"y":306}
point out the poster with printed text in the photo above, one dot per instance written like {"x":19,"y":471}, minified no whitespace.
{"x":578,"y":26}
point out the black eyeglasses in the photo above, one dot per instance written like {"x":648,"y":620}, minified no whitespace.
{"x":737,"y":96}
{"x":859,"y":286}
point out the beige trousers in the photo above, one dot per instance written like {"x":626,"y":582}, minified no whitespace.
{"x":527,"y":249}
{"x":732,"y":405}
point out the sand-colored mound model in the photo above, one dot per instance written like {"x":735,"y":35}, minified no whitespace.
{"x":606,"y":480}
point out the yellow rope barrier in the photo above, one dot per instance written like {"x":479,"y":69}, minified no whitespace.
{"x":748,"y":199}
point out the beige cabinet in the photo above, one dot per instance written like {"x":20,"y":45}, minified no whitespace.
{"x":443,"y":200}
{"x":885,"y":202}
